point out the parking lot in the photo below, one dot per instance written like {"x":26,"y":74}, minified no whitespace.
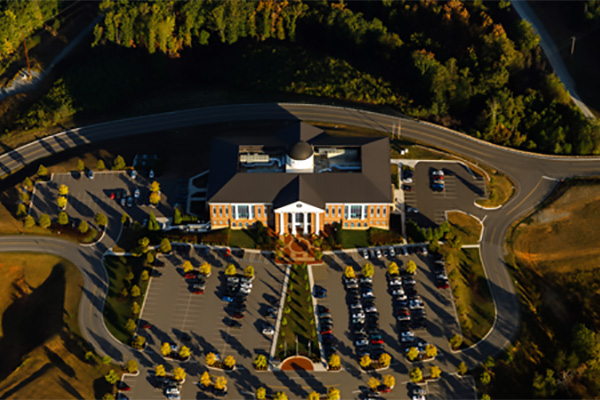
{"x":461,"y":189}
{"x":452,"y":387}
{"x":440,"y":321}
{"x":90,"y":196}
{"x":173,"y":311}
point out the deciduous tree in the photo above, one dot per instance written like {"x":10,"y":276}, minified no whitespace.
{"x":154,"y":198}
{"x":411,"y":267}
{"x":153,"y":224}
{"x":145,"y":275}
{"x":385,"y":359}
{"x":389,"y":381}
{"x":118,"y":163}
{"x":29,"y":222}
{"x":485,"y":378}
{"x":179,"y":374}
{"x":80,"y":165}
{"x":368,"y":270}
{"x":416,"y":375}
{"x":63,"y":218}
{"x":165,"y":349}
{"x":155,"y":187}
{"x":100,"y":165}
{"x":220,"y":383}
{"x":83,"y":227}
{"x":139,"y":342}
{"x":456,"y":341}
{"x":21,"y":210}
{"x":333,"y":393}
{"x":177,"y":218}
{"x":135,"y":308}
{"x":430,"y":351}
{"x":230,"y":270}
{"x":261,"y":393}
{"x":211,"y":358}
{"x":160,"y":370}
{"x":413,"y":353}
{"x":61,"y":201}
{"x":130,"y":326}
{"x":101,"y":220}
{"x":187,"y":267}
{"x":111,"y":377}
{"x":349,"y":272}
{"x":42,"y":171}
{"x":131,"y":366}
{"x":184,"y":352}
{"x":28,"y":184}
{"x":249,"y":271}
{"x":45,"y":221}
{"x":63,"y":190}
{"x":314,"y":396}
{"x":165,"y":246}
{"x":365,"y":361}
{"x":462,"y":368}
{"x":334,"y":361}
{"x":393,"y":269}
{"x":135,"y":291}
{"x":260,"y":362}
{"x":205,"y":269}
{"x":435,"y":372}
{"x":229,"y":362}
{"x":373,"y":383}
{"x":280,"y":396}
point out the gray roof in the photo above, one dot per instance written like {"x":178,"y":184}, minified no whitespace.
{"x":371,"y":185}
{"x":301,"y":150}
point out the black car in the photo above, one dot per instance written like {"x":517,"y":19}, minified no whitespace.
{"x":232,"y":323}
{"x":158,"y":263}
{"x":322,"y":309}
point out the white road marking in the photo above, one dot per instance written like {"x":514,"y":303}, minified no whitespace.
{"x":550,"y":178}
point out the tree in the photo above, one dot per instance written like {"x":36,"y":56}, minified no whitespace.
{"x":179,"y":374}
{"x":368,"y":270}
{"x":411,"y":267}
{"x":261,"y":393}
{"x":365,"y":361}
{"x":435,"y":372}
{"x":314,"y":396}
{"x":334,"y":361}
{"x":28,"y":184}
{"x":416,"y":375}
{"x":205,"y":379}
{"x":21,"y":210}
{"x":155,"y":187}
{"x":111,"y":377}
{"x":106,"y":360}
{"x":83,"y":227}
{"x":130,"y":326}
{"x":249,"y":271}
{"x":135,"y":291}
{"x":61,"y":201}
{"x":139,"y":342}
{"x":280,"y":396}
{"x":101,"y":220}
{"x":413,"y":353}
{"x":229,"y":362}
{"x":160,"y":370}
{"x":63,"y":218}
{"x":150,"y":257}
{"x":135,"y":308}
{"x":211,"y":358}
{"x":154,"y":198}
{"x":544,"y":387}
{"x":187,"y":267}
{"x":205,"y":269}
{"x":485,"y":378}
{"x":100,"y":165}
{"x":430,"y":351}
{"x":393,"y":269}
{"x":145,"y":275}
{"x":165,"y":246}
{"x":118,"y":163}
{"x":124,"y":292}
{"x":333,"y":393}
{"x":108,"y":396}
{"x":462,"y":368}
{"x":373,"y":383}
{"x":230,"y":270}
{"x":153,"y":223}
{"x":42,"y":171}
{"x":177,"y":218}
{"x":125,"y":218}
{"x":485,"y":396}
{"x":24,"y":196}
{"x":220,"y":383}
{"x":129,"y":276}
{"x":385,"y":359}
{"x":389,"y":381}
{"x":63,"y":190}
{"x":29,"y":222}
{"x":260,"y":362}
{"x":80,"y":165}
{"x":318,"y":255}
{"x":456,"y":341}
{"x":184,"y":352}
{"x":143,"y":244}
{"x":131,"y":366}
{"x":45,"y":221}
{"x":165,"y":349}
{"x":349,"y":272}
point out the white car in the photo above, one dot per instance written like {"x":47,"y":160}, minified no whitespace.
{"x":418,"y":397}
{"x":358,"y":315}
{"x":378,"y":251}
{"x":151,"y":174}
{"x":407,"y":334}
{"x":136,"y":194}
{"x":392,"y":251}
{"x":415,"y":304}
{"x":244,"y":290}
{"x":400,"y":297}
{"x":395,"y":282}
{"x":91,"y":174}
{"x":171,"y":390}
{"x":371,"y":309}
{"x":269,"y":331}
{"x":365,"y":254}
{"x":356,"y":306}
{"x":361,"y":342}
{"x":398,"y":292}
{"x":133,"y":174}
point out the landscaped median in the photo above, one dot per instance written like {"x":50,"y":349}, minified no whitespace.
{"x":129,"y":278}
{"x":466,"y":228}
{"x":297,"y":331}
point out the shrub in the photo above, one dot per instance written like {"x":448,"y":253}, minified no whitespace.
{"x":21,"y":210}
{"x":45,"y":221}
{"x":118,"y":163}
{"x":63,"y":218}
{"x":456,"y":341}
{"x":29,"y":222}
{"x":131,"y":366}
{"x":368,"y":270}
{"x":165,"y":246}
{"x":101,"y":220}
{"x":83,"y":227}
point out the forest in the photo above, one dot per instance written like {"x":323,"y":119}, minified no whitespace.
{"x":472,"y":66}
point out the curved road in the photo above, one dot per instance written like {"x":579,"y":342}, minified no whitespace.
{"x":535,"y":175}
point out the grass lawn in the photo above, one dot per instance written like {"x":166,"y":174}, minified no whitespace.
{"x":354,"y":238}
{"x":43,"y":354}
{"x":118,"y":308}
{"x":554,"y":257}
{"x":394,"y":172}
{"x":471,"y":292}
{"x":465,"y":227}
{"x":500,"y":189}
{"x":298,"y":317}
{"x":416,"y":151}
{"x":240,"y":238}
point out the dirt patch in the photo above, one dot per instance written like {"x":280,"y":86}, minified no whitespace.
{"x":297,"y":364}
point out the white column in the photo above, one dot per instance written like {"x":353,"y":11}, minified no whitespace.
{"x":305,"y":218}
{"x":293,"y":223}
{"x":281,"y":230}
{"x":316,"y":223}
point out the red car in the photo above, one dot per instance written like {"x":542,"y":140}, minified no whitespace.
{"x":198,"y":291}
{"x":146,"y":325}
{"x":384,"y":389}
{"x":326,"y":331}
{"x":238,"y":315}
{"x":442,"y":284}
{"x":112,"y":195}
{"x":123,"y":387}
{"x":377,"y":341}
{"x":190,"y":275}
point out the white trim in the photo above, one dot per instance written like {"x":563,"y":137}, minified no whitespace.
{"x":298,"y":206}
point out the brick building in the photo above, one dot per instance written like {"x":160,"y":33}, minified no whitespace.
{"x":300,"y":180}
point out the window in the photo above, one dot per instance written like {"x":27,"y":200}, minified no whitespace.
{"x":377,"y":212}
{"x":259,"y":209}
{"x":221,"y":211}
{"x":364,"y":208}
{"x":234,"y":224}
{"x":345,"y":224}
{"x":247,"y":224}
{"x":243,"y":212}
{"x":352,"y":224}
{"x":234,"y":212}
{"x":345,"y":212}
{"x":340,"y":211}
{"x":384,"y":211}
{"x":226,"y":211}
{"x":215,"y":211}
{"x":355,"y":212}
{"x":372,"y":211}
{"x":327,"y":211}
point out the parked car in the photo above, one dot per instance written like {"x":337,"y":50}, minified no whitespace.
{"x":151,"y":174}
{"x":391,"y":251}
{"x":123,"y":202}
{"x":228,"y":299}
{"x":410,"y":209}
{"x":129,"y":201}
{"x":90,"y":174}
{"x":133,"y":174}
{"x":158,"y":263}
{"x":407,"y":188}
{"x":320,"y":292}
{"x":365,"y":254}
{"x":378,"y":251}
{"x":268,"y":330}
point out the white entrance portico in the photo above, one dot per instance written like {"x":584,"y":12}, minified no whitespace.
{"x":298,"y":217}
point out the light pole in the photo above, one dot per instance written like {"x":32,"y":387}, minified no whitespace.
{"x":572,"y":45}
{"x":26,"y":53}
